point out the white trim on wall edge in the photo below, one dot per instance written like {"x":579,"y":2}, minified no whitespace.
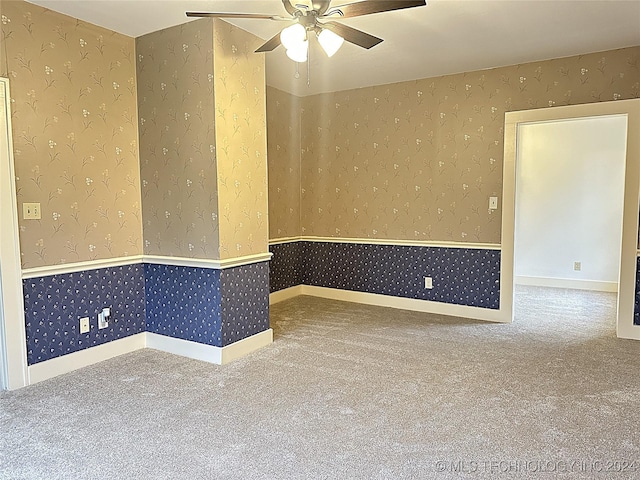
{"x":137,"y":259}
{"x":285,"y":294}
{"x":426,"y":306}
{"x":206,"y":263}
{"x":83,"y":358}
{"x":210,"y":353}
{"x":277,"y":241}
{"x":80,"y":266}
{"x":381,"y":241}
{"x":12,"y":330}
{"x":577,"y":284}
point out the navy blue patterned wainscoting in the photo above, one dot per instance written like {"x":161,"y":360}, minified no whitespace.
{"x":184,"y":302}
{"x":285,"y":268}
{"x":209,"y":306}
{"x":245,"y":301}
{"x":54,"y":305}
{"x":461,"y":276}
{"x":636,"y":309}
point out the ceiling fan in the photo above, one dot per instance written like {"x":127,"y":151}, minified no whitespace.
{"x":306,"y":19}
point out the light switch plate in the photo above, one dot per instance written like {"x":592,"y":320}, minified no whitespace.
{"x":31,"y":211}
{"x":493,"y":203}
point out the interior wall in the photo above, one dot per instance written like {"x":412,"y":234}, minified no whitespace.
{"x":75,"y":136}
{"x":204,"y":173}
{"x":283,"y":148}
{"x":75,"y":146}
{"x":241,"y":141}
{"x":177,"y":141}
{"x":203,"y":141}
{"x":569,"y":198}
{"x":419,"y":160}
{"x":76,"y":151}
{"x":415,"y":163}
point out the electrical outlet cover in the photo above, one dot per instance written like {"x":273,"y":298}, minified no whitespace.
{"x":84,"y":325}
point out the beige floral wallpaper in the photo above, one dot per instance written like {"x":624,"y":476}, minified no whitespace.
{"x":201,"y":94}
{"x":241,"y":141}
{"x":177,"y":141}
{"x":73,"y":89}
{"x":419,"y":160}
{"x":283,"y":144}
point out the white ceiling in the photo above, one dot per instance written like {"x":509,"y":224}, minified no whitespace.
{"x":445,"y":37}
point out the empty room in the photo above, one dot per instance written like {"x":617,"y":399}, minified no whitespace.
{"x":319,"y":239}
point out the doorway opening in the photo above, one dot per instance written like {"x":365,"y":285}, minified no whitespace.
{"x":568,"y":222}
{"x":627,"y":259}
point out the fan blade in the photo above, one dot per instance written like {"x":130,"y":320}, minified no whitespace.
{"x":368,"y":7}
{"x":272,"y":44}
{"x":352,"y":35}
{"x":289,"y":8}
{"x":236,"y":15}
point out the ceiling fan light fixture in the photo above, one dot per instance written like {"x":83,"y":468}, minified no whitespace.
{"x":307,"y":16}
{"x":299,"y":52}
{"x":292,"y":36}
{"x":330,"y":41}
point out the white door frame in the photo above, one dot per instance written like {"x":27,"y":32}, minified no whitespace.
{"x":12,"y":324}
{"x":629,"y":252}
{"x":3,"y":360}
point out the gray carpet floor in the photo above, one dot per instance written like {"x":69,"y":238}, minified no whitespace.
{"x":352,"y":391}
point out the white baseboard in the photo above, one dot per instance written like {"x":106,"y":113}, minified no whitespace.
{"x":210,"y":353}
{"x":577,"y":284}
{"x":439,"y":308}
{"x":246,"y":346}
{"x":285,"y":294}
{"x":83,"y":358}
